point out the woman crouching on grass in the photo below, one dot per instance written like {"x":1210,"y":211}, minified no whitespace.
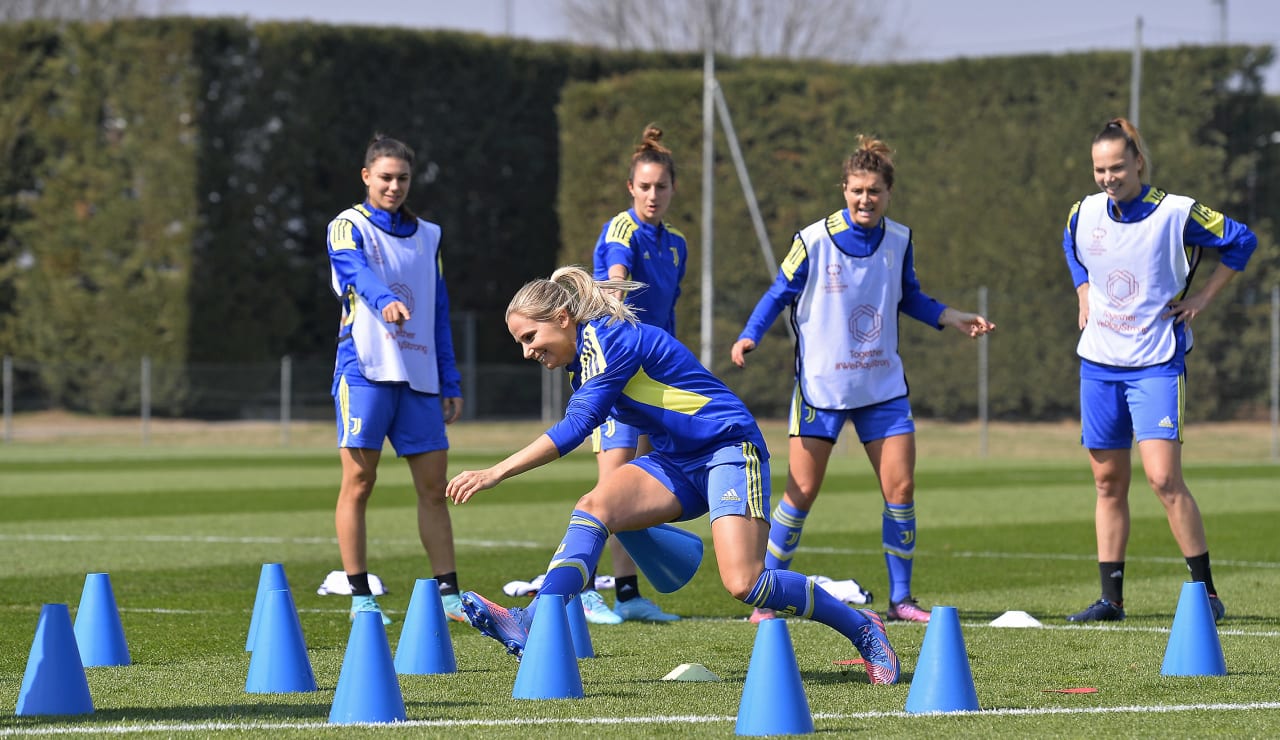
{"x":706,"y":446}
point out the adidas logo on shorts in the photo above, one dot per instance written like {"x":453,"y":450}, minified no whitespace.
{"x":730,"y":495}
{"x":1166,"y":423}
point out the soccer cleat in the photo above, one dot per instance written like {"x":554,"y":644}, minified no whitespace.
{"x":759,"y":615}
{"x":367,"y":604}
{"x":1099,"y":611}
{"x":1219,"y":611}
{"x":907,"y":610}
{"x":596,"y":611}
{"x":453,"y":607}
{"x":872,"y":642}
{"x":508,"y":626}
{"x":641,"y":609}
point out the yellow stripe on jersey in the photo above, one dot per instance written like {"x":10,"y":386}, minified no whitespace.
{"x":1075,"y":208}
{"x":1154,"y":195}
{"x":796,"y":257}
{"x":1210,"y":219}
{"x":836,"y":223}
{"x":646,"y":390}
{"x":349,"y":315}
{"x":677,"y":232}
{"x":359,"y":208}
{"x":592,"y":357}
{"x":340,"y":235}
{"x":621,"y":228}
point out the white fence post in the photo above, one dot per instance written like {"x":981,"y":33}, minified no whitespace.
{"x":8,"y":398}
{"x":983,"y":380}
{"x":286,"y":398}
{"x":1275,"y":372}
{"x":145,"y":400}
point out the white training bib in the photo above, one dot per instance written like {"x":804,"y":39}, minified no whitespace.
{"x":847,"y":319}
{"x":1135,"y":270}
{"x":409,"y":267}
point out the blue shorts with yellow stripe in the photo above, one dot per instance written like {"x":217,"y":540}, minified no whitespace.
{"x":877,"y":421}
{"x":733,"y":480}
{"x":614,"y":435}
{"x":369,"y":413}
{"x":1114,"y":412}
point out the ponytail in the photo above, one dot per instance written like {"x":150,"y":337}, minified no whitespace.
{"x":574,"y":290}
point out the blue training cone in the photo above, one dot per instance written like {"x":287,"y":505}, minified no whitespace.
{"x":99,"y":633}
{"x":425,"y":646}
{"x":55,"y":682}
{"x":578,"y":628}
{"x":773,"y":700}
{"x":942,"y":681}
{"x":549,"y":666}
{"x":279,"y":663}
{"x":667,"y":555}
{"x":271,"y":579}
{"x":368,"y":690}
{"x":1194,"y":648}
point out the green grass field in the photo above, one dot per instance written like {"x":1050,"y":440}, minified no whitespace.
{"x":184,"y":525}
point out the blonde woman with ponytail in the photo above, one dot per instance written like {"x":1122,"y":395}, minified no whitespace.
{"x":1132,"y":250}
{"x":708,"y":457}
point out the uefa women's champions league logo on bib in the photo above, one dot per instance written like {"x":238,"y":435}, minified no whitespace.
{"x":835,"y":280}
{"x":1096,"y":246}
{"x":405,"y":294}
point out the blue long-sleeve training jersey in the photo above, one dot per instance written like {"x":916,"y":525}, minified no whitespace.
{"x":644,"y":377}
{"x":654,"y":255}
{"x":352,"y":269}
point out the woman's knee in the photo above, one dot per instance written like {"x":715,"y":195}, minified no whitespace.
{"x":740,"y":583}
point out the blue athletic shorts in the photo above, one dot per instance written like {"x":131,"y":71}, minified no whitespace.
{"x":877,"y":421}
{"x":367,"y":414}
{"x":731,"y":480}
{"x":614,"y":435}
{"x":1115,"y":412}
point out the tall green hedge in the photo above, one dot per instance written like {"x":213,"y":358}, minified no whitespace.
{"x":990,"y":156}
{"x":168,"y":181}
{"x":173,"y":180}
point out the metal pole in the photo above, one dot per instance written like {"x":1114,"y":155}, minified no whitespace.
{"x":145,"y":401}
{"x":983,"y":380}
{"x":748,"y":192}
{"x":1275,"y":372}
{"x":708,"y":183}
{"x":469,"y":373}
{"x":286,"y":398}
{"x":8,"y":398}
{"x":1135,"y":75}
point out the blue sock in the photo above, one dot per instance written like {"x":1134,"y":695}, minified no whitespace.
{"x":788,"y":592}
{"x":898,"y":535}
{"x":784,"y":536}
{"x":575,"y":560}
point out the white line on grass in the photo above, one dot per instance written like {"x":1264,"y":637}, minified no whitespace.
{"x":990,"y":555}
{"x":225,"y":540}
{"x":331,"y":541}
{"x":127,"y":729}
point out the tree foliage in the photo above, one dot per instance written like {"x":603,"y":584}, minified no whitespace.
{"x":836,"y":30}
{"x":168,"y":183}
{"x":989,"y":160}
